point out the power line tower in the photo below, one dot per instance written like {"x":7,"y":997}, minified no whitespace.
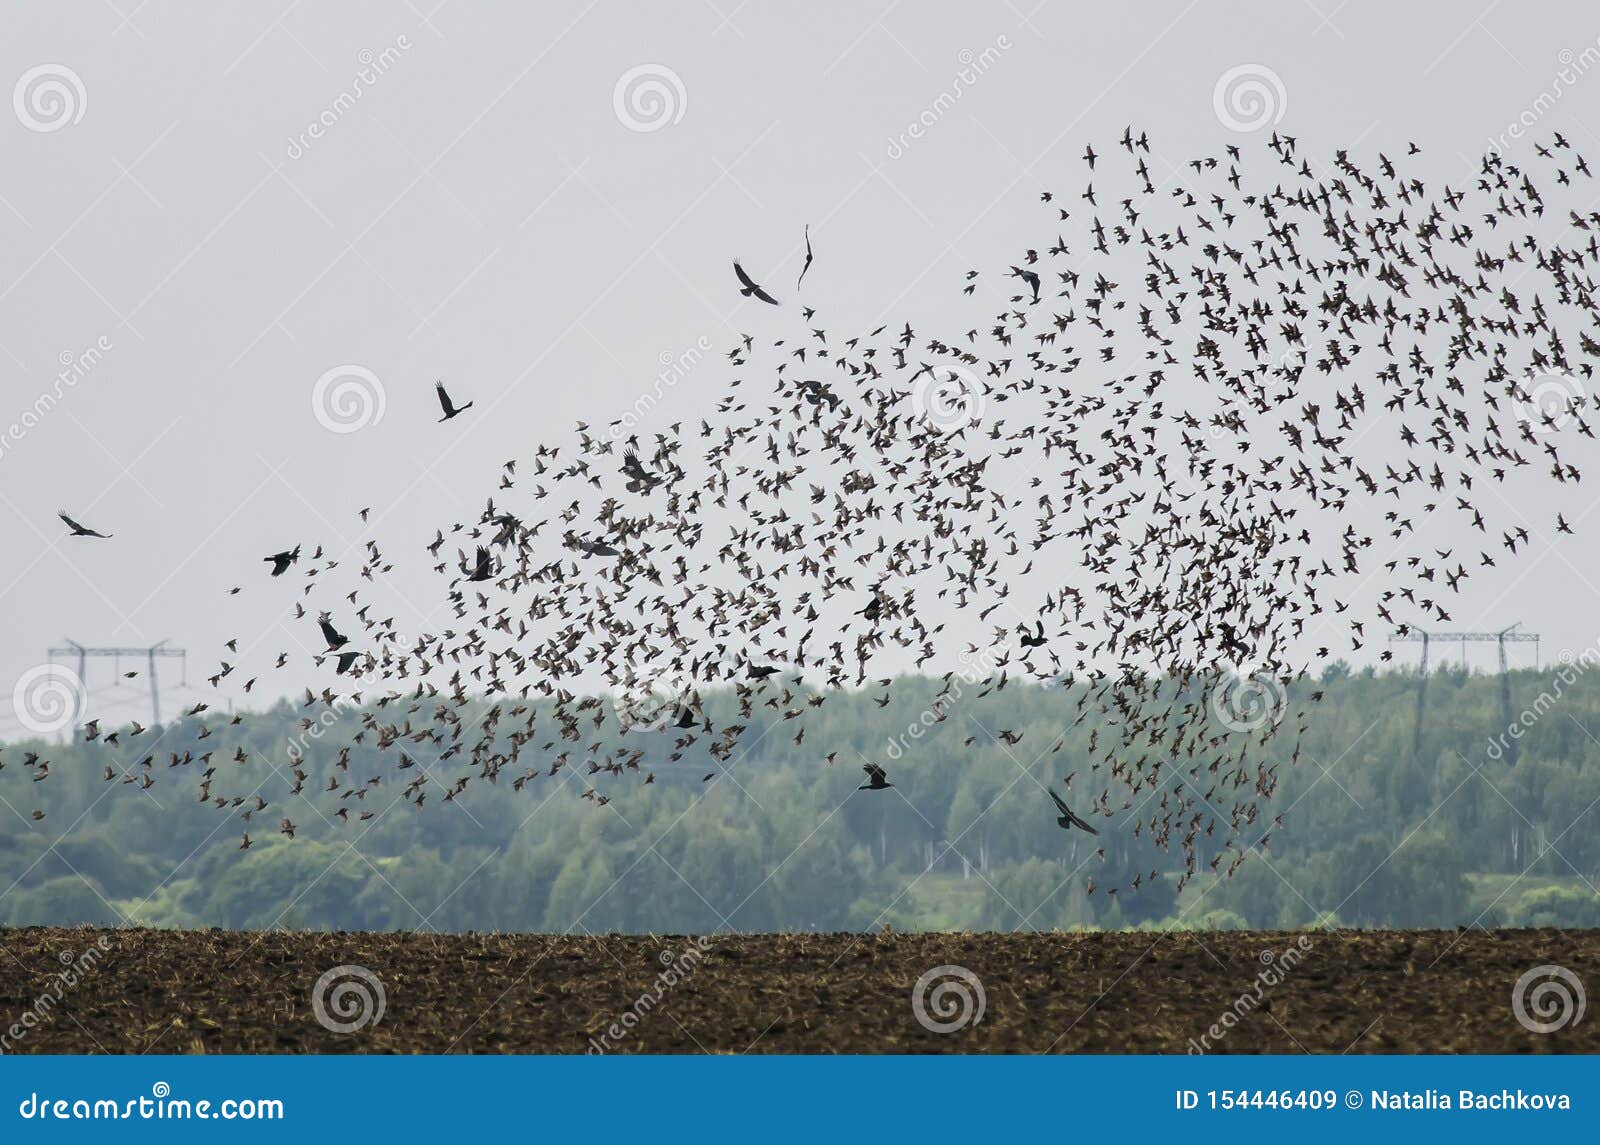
{"x":150,"y":653}
{"x":1509,"y":635}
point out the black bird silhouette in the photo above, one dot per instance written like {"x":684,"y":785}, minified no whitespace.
{"x":807,"y":266}
{"x":1030,"y":278}
{"x":482,"y":565}
{"x":450,"y":410}
{"x":281,"y":561}
{"x":750,"y":286}
{"x":877,"y":779}
{"x":595,"y":548}
{"x":332,"y":635}
{"x":79,"y":530}
{"x":1068,"y":819}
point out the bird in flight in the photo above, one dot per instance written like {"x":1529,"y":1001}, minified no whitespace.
{"x":807,"y":265}
{"x":80,"y":530}
{"x":482,"y":566}
{"x":1067,"y":819}
{"x":450,"y":410}
{"x":332,"y":635}
{"x":281,"y":561}
{"x":877,"y":779}
{"x":749,"y":285}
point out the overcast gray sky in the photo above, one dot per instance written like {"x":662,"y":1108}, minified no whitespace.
{"x":540,"y":206}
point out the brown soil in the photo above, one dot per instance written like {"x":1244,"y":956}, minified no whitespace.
{"x":227,"y":992}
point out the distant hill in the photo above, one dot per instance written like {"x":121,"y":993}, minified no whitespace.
{"x":1374,"y":833}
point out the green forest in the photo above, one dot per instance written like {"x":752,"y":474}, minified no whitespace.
{"x":1464,"y":824}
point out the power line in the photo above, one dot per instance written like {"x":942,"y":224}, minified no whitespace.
{"x":1508,"y":635}
{"x":150,"y":653}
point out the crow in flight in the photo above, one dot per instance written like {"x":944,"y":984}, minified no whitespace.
{"x":450,"y":410}
{"x":877,"y":779}
{"x":79,"y":530}
{"x":1069,"y":820}
{"x":281,"y":561}
{"x":807,"y":266}
{"x":749,"y":285}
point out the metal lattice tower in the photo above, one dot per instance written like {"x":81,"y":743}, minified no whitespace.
{"x":1509,"y":635}
{"x":150,"y":653}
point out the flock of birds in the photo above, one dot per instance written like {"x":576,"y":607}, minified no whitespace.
{"x":1209,"y":410}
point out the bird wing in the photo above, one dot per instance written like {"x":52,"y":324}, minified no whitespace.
{"x":1061,"y":803}
{"x":752,"y":285}
{"x":444,"y":399}
{"x":807,"y":265}
{"x":71,"y":524}
{"x":329,"y":632}
{"x":1078,"y":822}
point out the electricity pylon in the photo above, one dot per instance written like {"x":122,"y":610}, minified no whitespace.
{"x":150,"y":653}
{"x":1414,"y":635}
